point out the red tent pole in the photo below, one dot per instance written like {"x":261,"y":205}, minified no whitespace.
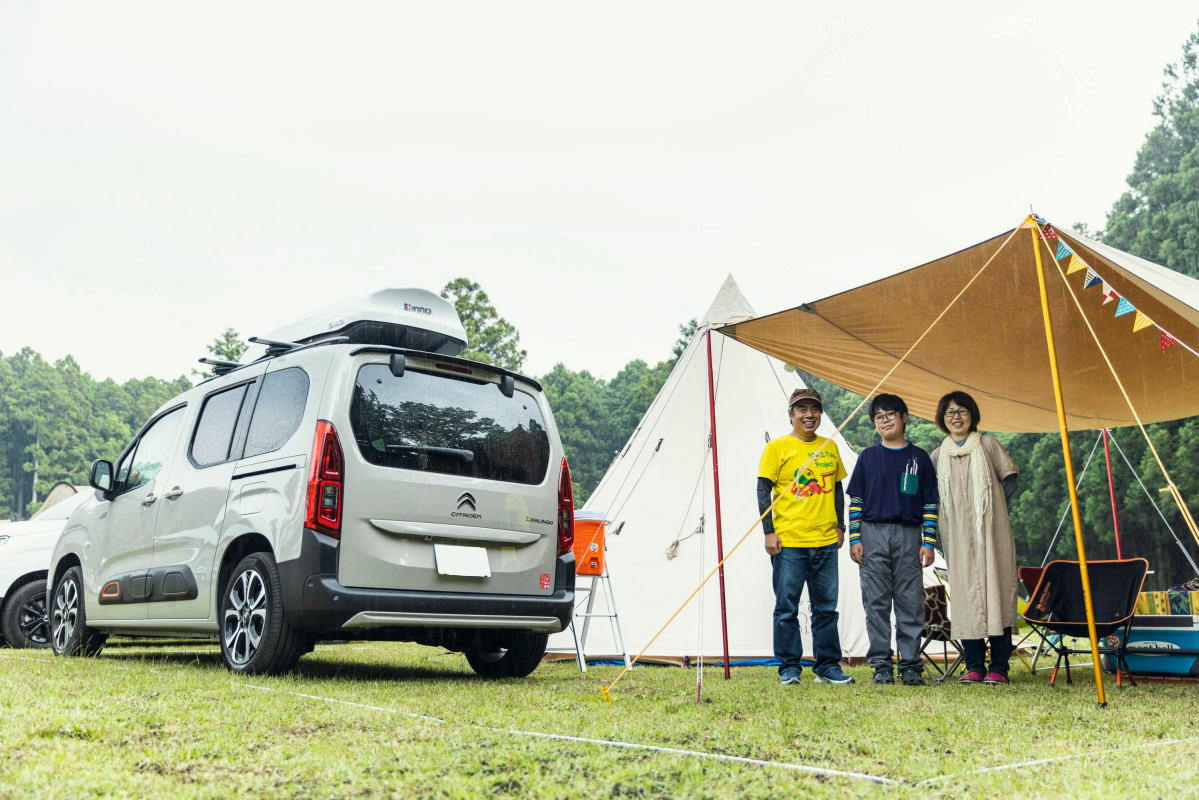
{"x":1111,"y":487}
{"x":724,"y":622}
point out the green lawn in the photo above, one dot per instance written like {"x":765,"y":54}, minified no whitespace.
{"x":171,"y":722}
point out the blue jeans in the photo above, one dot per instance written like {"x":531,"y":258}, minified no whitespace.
{"x":817,"y":567}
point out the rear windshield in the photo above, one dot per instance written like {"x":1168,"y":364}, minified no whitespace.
{"x":447,"y":424}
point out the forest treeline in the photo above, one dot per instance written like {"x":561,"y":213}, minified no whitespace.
{"x":55,"y":418}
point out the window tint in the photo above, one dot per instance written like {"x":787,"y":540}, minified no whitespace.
{"x":278,"y":412}
{"x":153,"y":450}
{"x":214,"y":431}
{"x":451,"y":425}
{"x":123,"y":469}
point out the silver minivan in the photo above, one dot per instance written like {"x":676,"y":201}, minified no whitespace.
{"x":359,"y":482}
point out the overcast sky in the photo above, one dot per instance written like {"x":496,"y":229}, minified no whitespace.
{"x":170,"y":170}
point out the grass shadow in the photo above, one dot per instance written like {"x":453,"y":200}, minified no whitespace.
{"x":207,"y":660}
{"x":323,"y":665}
{"x":317,"y":668}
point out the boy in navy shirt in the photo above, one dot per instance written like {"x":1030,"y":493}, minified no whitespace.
{"x":892,"y":530}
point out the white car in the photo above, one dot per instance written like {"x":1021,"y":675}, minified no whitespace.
{"x":358,"y":481}
{"x":25,"y":549}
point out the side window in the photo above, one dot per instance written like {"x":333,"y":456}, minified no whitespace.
{"x":214,"y":431}
{"x":153,"y":450}
{"x":123,"y":469}
{"x":278,"y":412}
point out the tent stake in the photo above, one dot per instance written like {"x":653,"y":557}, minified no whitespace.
{"x":724,"y":623}
{"x":1061,"y":421}
{"x":1111,"y":487}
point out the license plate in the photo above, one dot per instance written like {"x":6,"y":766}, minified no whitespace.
{"x":465,"y":562}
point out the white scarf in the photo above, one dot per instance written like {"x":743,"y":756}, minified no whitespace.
{"x":980,"y":475}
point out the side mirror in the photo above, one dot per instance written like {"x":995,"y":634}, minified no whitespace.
{"x":99,"y":476}
{"x":507,"y":385}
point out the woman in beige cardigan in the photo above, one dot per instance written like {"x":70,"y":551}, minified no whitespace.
{"x":977,"y":480}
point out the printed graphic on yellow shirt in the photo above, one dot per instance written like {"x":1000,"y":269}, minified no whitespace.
{"x":810,"y":484}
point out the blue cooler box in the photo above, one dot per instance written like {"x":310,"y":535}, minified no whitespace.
{"x":1166,"y":635}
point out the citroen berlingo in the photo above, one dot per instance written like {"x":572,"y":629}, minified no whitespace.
{"x":357,"y":480}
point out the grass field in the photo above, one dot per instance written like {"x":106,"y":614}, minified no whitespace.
{"x":171,"y":722}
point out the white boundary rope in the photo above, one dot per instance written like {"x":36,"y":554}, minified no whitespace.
{"x":110,"y":663}
{"x":1040,"y":761}
{"x":784,"y":765}
{"x":599,"y":742}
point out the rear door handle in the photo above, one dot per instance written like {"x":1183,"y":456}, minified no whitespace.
{"x":174,"y":494}
{"x":149,"y":501}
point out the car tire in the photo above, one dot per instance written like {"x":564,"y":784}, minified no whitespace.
{"x":23,"y":620}
{"x":69,"y":633}
{"x":512,"y":655}
{"x":256,"y":638}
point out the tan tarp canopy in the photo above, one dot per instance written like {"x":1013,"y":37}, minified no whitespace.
{"x":992,"y":342}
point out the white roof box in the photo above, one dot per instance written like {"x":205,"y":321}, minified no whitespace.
{"x":414,"y":319}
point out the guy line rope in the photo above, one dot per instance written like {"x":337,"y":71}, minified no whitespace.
{"x":1170,"y":486}
{"x":606,"y":692}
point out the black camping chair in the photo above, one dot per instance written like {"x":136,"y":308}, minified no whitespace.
{"x":1029,"y":577}
{"x":938,"y":628}
{"x":1057,"y":605}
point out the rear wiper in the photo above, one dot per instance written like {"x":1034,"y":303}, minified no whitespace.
{"x":452,"y":452}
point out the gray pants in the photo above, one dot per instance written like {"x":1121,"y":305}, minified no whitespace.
{"x":891,"y":576}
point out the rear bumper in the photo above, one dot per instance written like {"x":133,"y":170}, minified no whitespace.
{"x":314,"y":600}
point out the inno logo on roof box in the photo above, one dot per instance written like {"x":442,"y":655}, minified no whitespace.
{"x":418,"y":309}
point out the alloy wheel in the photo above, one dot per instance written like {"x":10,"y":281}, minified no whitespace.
{"x":31,"y":620}
{"x":245,"y":619}
{"x":65,"y":614}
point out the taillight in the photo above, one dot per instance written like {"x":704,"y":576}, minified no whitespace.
{"x":566,"y":511}
{"x":326,"y":481}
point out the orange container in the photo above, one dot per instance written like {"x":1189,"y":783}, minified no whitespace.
{"x":589,"y":543}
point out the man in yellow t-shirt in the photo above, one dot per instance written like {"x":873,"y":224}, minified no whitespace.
{"x":803,"y":534}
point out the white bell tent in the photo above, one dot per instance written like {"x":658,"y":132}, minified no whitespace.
{"x":659,"y":498}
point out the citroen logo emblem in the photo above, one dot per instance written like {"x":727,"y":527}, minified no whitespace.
{"x":466,"y":499}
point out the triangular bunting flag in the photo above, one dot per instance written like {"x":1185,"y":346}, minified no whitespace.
{"x":1109,"y":294}
{"x":1076,"y":263}
{"x":1167,"y":340}
{"x":1125,"y":307}
{"x":1063,"y":250}
{"x":1028,"y":223}
{"x":1092,"y":279}
{"x":1049,"y":232}
{"x":1141,"y":322}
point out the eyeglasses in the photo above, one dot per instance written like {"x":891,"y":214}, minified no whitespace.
{"x":957,"y":412}
{"x":879,"y":419}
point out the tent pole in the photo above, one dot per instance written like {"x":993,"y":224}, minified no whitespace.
{"x":724,"y":623}
{"x":1111,"y":487}
{"x":1061,"y":421}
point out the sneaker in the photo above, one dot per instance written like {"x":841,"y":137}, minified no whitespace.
{"x":884,"y":676}
{"x":995,"y":679}
{"x":790,"y":677}
{"x":834,"y":675}
{"x":912,"y":677}
{"x":970,"y":678}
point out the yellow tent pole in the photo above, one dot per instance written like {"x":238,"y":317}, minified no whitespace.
{"x":1061,"y":421}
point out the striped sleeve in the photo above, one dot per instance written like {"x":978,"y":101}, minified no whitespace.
{"x":928,"y":527}
{"x":855,"y":520}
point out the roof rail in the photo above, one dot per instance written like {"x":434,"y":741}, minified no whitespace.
{"x":221,"y":367}
{"x":277,"y":348}
{"x":274,"y":347}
